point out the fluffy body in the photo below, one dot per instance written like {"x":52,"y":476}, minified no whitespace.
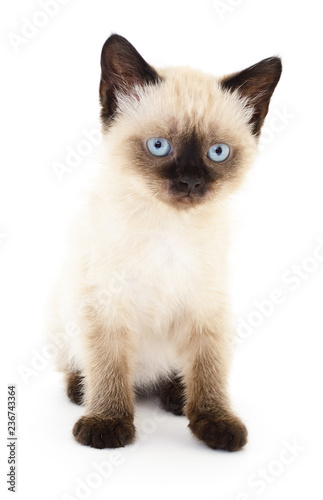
{"x":145,"y":282}
{"x":146,"y":266}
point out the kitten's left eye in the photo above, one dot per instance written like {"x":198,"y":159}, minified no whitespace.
{"x":158,"y":146}
{"x":218,"y":152}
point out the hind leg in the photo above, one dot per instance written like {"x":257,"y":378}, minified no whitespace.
{"x":172,"y":396}
{"x":75,"y":387}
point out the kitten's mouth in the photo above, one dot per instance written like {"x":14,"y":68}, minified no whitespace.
{"x":186,"y":199}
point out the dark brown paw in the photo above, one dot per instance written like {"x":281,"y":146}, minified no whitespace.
{"x":75,"y":389}
{"x":101,"y":432}
{"x":173,"y":396}
{"x":220,"y":433}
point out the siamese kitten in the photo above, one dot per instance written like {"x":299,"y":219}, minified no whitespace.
{"x":146,"y":278}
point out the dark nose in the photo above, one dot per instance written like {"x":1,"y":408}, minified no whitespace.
{"x":190,"y":183}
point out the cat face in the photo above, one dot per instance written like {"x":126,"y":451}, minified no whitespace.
{"x":183,"y":135}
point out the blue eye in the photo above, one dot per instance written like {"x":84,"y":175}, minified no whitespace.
{"x":218,"y":152}
{"x":158,"y":146}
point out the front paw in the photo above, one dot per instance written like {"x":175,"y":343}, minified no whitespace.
{"x":220,"y":433}
{"x":102,"y":432}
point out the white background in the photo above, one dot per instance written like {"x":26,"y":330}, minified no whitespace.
{"x":49,"y":97}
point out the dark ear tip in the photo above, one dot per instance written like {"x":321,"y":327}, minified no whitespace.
{"x":277,"y":63}
{"x":114,"y":40}
{"x":278,"y":67}
{"x":274,"y":64}
{"x":114,"y":43}
{"x":270,"y":66}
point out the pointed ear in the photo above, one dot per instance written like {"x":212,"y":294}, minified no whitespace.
{"x":257,"y":85}
{"x":122,"y":68}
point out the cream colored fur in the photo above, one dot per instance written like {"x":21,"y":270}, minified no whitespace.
{"x":139,"y":265}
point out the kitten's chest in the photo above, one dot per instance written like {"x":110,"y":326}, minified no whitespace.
{"x":164,"y":271}
{"x":160,"y":283}
{"x":163,"y":265}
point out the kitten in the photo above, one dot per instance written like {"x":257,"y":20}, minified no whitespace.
{"x":146,"y":278}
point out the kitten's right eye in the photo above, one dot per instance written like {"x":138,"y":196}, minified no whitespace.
{"x":158,"y":146}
